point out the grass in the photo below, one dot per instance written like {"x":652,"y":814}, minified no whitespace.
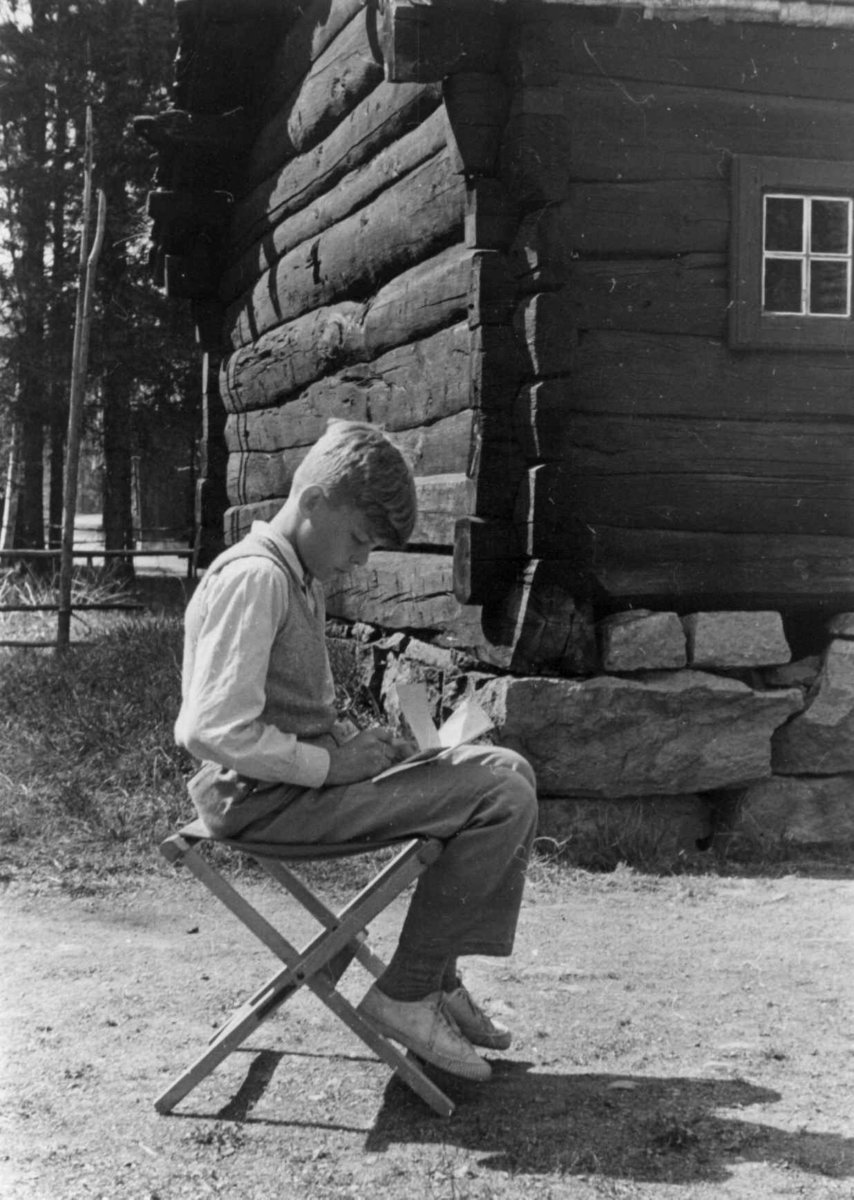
{"x":86,"y":739}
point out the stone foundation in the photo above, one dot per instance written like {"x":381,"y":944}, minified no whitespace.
{"x":687,"y":719}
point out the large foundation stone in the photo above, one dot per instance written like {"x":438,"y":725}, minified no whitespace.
{"x":808,"y":811}
{"x":668,"y":734}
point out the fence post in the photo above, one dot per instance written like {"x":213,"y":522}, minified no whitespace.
{"x":79,"y":363}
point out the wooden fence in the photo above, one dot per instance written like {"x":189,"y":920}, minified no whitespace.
{"x":89,"y":555}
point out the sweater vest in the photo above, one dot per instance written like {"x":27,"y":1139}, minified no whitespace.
{"x":300,"y":691}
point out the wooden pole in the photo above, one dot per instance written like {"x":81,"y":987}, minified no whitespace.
{"x":79,"y":363}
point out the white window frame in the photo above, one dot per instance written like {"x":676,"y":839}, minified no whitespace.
{"x":806,"y":256}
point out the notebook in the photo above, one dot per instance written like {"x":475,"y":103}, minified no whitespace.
{"x":465,"y":723}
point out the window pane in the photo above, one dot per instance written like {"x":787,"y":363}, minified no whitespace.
{"x":784,"y":223}
{"x":783,"y":285}
{"x":830,"y":227}
{"x":829,"y":287}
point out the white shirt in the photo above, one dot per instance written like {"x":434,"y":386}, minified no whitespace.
{"x":231,"y":622}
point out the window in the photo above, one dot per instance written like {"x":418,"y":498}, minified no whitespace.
{"x":793,"y":249}
{"x":806,"y":255}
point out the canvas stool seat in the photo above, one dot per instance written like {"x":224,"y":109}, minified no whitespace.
{"x":320,"y":964}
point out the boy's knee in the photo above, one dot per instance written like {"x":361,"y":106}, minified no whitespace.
{"x":514,"y":762}
{"x":517,"y":796}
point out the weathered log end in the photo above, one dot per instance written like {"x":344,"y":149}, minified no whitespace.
{"x":486,"y":559}
{"x":424,"y":43}
{"x":544,"y":622}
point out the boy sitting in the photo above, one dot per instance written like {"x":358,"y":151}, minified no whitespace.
{"x":258,"y":707}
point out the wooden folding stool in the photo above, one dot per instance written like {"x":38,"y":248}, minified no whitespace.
{"x":322,"y":962}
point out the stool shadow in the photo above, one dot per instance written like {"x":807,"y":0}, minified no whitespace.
{"x":628,"y":1127}
{"x":258,"y":1077}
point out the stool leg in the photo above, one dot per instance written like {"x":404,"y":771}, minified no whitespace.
{"x":262,"y":1005}
{"x":316,"y":965}
{"x":225,"y":1042}
{"x":365,"y":955}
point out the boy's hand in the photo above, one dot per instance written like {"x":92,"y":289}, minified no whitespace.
{"x":365,"y":755}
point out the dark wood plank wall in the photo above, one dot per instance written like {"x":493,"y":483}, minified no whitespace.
{"x":365,"y":275}
{"x":647,"y":438}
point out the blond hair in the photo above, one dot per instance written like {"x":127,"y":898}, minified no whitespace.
{"x":355,"y":463}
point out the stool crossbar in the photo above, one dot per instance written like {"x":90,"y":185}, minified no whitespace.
{"x":320,"y":964}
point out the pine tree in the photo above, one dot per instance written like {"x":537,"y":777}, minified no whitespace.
{"x":25,"y":58}
{"x":115,"y":55}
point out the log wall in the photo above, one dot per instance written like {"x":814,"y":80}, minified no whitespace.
{"x":364,"y":272}
{"x":502,"y":232}
{"x":652,"y":447}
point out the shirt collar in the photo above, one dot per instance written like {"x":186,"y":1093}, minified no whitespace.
{"x":287,"y":551}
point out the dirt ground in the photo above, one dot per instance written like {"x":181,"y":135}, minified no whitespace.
{"x":676,"y":1037}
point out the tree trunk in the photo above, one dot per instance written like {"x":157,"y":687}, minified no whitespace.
{"x":118,"y":475}
{"x":58,"y":324}
{"x":118,"y":381}
{"x":29,"y":529}
{"x":57,"y":458}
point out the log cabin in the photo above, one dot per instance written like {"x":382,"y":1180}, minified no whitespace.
{"x":590,"y":266}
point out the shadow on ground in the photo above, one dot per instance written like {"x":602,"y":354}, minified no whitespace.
{"x":640,"y":1128}
{"x":630,"y":1127}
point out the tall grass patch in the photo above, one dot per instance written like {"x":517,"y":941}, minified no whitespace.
{"x":86,"y":744}
{"x":38,"y":588}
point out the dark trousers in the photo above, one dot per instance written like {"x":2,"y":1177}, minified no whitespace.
{"x":479,"y":800}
